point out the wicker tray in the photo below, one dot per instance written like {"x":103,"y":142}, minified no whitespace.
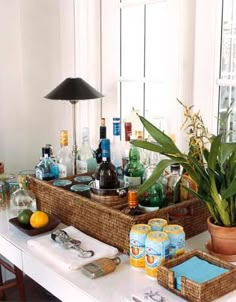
{"x":193,"y":291}
{"x":108,"y":224}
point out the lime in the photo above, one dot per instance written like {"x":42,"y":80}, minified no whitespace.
{"x":24,"y":216}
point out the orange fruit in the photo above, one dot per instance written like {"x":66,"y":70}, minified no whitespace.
{"x":39,"y":219}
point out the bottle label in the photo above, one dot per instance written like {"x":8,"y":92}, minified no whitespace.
{"x":62,"y":171}
{"x":39,"y":173}
{"x":82,"y":166}
{"x":133,"y":181}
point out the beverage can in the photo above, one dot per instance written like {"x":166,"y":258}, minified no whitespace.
{"x":157,"y":224}
{"x":138,"y":236}
{"x":176,"y":236}
{"x":156,"y":251}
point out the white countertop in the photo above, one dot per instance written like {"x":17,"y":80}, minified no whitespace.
{"x":116,"y":287}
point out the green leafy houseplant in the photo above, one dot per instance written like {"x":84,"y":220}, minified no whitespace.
{"x":210,"y":162}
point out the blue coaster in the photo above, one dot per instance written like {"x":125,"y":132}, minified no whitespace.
{"x":62,"y":182}
{"x":83,"y":179}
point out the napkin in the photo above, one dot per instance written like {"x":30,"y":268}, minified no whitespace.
{"x":197,"y":270}
{"x":68,"y":259}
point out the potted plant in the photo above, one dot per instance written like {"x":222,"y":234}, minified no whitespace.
{"x":210,"y":162}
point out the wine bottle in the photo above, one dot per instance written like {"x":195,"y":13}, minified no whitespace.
{"x":46,"y":169}
{"x":133,"y":172}
{"x":103,"y":134}
{"x":86,"y":161}
{"x":64,"y":157}
{"x":106,"y":175}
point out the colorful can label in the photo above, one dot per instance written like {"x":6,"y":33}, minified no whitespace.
{"x":157,"y":224}
{"x":138,"y":236}
{"x":156,"y":251}
{"x":177,"y":239}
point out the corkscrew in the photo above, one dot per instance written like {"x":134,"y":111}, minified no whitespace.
{"x":61,"y":237}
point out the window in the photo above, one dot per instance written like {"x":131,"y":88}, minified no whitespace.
{"x":227,"y":75}
{"x":148,"y":59}
{"x":141,"y":61}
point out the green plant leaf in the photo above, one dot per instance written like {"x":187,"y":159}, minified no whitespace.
{"x":159,"y":136}
{"x":161,"y":166}
{"x":214,"y":152}
{"x":230,"y":190}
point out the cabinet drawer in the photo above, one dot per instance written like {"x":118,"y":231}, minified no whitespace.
{"x":11,"y":252}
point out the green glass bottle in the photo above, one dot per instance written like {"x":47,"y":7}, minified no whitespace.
{"x":133,"y":171}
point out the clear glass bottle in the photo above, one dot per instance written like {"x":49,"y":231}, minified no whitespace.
{"x":86,"y":161}
{"x":133,"y":172}
{"x":172,"y":189}
{"x":116,"y":148}
{"x":106,"y":176}
{"x":154,"y":196}
{"x":64,"y":156}
{"x":46,"y":169}
{"x":22,"y":199}
{"x":103,"y":134}
{"x":133,"y":206}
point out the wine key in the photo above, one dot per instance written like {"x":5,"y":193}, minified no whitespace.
{"x":67,"y":242}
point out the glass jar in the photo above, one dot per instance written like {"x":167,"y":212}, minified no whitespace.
{"x":3,"y":195}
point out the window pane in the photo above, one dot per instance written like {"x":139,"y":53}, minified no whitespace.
{"x":228,"y":55}
{"x":227,"y":98}
{"x":156,"y":104}
{"x":132,"y":41}
{"x":156,"y":40}
{"x":132,"y":97}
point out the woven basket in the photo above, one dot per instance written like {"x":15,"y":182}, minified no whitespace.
{"x":109,"y":224}
{"x":197,"y":292}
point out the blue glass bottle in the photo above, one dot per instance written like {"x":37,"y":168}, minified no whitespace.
{"x":46,"y":169}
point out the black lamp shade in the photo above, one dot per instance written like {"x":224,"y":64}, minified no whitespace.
{"x":73,"y":89}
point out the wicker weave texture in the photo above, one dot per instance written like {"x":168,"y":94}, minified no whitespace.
{"x":192,"y":291}
{"x":108,"y":224}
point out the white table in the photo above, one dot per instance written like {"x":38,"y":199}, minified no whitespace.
{"x":73,"y":285}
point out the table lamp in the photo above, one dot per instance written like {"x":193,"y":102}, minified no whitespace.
{"x":74,"y":90}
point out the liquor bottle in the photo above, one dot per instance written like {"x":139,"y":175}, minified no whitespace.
{"x":172,"y":189}
{"x":133,"y":206}
{"x":52,"y":156}
{"x":22,"y":199}
{"x":64,"y":157}
{"x":126,"y":147}
{"x":86,"y":161}
{"x":154,"y":196}
{"x":106,"y":175}
{"x":1,"y":167}
{"x":103,"y":134}
{"x":46,"y":169}
{"x":116,"y":148}
{"x":133,"y":172}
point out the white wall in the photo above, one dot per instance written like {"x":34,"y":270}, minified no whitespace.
{"x":37,"y":52}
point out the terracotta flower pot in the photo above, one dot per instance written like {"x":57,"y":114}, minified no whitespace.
{"x":223,"y":239}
